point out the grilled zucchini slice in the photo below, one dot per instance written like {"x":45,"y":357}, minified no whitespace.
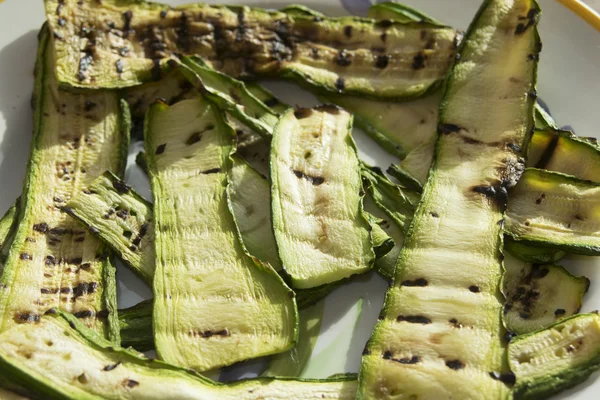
{"x":121,"y":218}
{"x":99,"y":370}
{"x":115,"y":44}
{"x":538,"y":295}
{"x":321,"y":232}
{"x":549,"y":209}
{"x":554,"y":359}
{"x":52,"y":261}
{"x":214,"y":305}
{"x":554,"y":150}
{"x":440,"y":331}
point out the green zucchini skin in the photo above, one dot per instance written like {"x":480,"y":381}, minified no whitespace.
{"x":104,"y":370}
{"x":532,"y":254}
{"x":428,"y":343}
{"x":119,"y":217}
{"x":538,"y":214}
{"x":214,"y":304}
{"x":400,"y":12}
{"x":136,"y":326}
{"x":52,"y":262}
{"x":539,"y":295}
{"x":8,"y":226}
{"x":320,"y":229}
{"x":549,"y":361}
{"x":329,"y":54}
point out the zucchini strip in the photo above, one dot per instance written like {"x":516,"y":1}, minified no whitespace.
{"x":211,"y":299}
{"x":126,"y":43}
{"x":99,"y":370}
{"x":538,"y":295}
{"x":52,"y":262}
{"x":548,"y":209}
{"x":440,"y":330}
{"x":549,"y":361}
{"x":321,"y":232}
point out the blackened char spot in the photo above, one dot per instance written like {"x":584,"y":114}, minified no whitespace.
{"x":89,"y":106}
{"x":387,"y":355}
{"x":559,"y":311}
{"x":161,"y":148}
{"x":508,"y":378}
{"x":419,"y":61}
{"x":301,"y":113}
{"x":212,"y":171}
{"x":25,"y":256}
{"x":163,"y":13}
{"x":27,"y":317}
{"x":340,"y":84}
{"x":514,"y":147}
{"x":41,"y":227}
{"x":194,"y":138}
{"x":496,"y":193}
{"x":382,"y":61}
{"x":85,"y":288}
{"x":84,"y":314}
{"x":121,"y":186}
{"x":412,"y":360}
{"x":538,"y":272}
{"x":127,"y":16}
{"x":348,"y":31}
{"x":455,"y":364}
{"x":508,"y":336}
{"x":384,"y":23}
{"x":474,"y":289}
{"x":110,"y":367}
{"x":119,"y":66}
{"x":84,"y":64}
{"x":414,"y":319}
{"x":130,"y":383}
{"x":421,"y":282}
{"x":315,"y":180}
{"x":343,"y":58}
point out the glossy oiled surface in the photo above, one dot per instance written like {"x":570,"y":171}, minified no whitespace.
{"x":568,"y":83}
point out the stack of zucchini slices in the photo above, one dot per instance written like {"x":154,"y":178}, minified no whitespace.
{"x":259,"y":210}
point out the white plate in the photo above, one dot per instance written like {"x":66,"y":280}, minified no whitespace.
{"x":568,"y":83}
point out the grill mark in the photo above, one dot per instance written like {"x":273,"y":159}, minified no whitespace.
{"x":84,"y":314}
{"x":121,"y":186}
{"x":414,"y":319}
{"x":197,"y":136}
{"x":315,"y":180}
{"x":340,"y":84}
{"x":211,"y":171}
{"x":420,"y":282}
{"x":507,"y":378}
{"x":548,"y":153}
{"x":111,"y":367}
{"x":26,"y":317}
{"x":161,"y":148}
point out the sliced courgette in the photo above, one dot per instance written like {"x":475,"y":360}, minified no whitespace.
{"x":554,"y":359}
{"x":321,"y":232}
{"x":136,"y":326}
{"x":121,"y":218}
{"x":543,"y":119}
{"x":561,"y":151}
{"x":125,"y":43}
{"x":549,"y":209}
{"x":440,"y":331}
{"x":97,"y":369}
{"x":538,"y":295}
{"x":214,"y":305}
{"x":53,"y":262}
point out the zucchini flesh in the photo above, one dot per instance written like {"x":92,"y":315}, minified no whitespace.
{"x":121,"y":218}
{"x":99,"y":370}
{"x":555,"y":151}
{"x":554,"y":359}
{"x":136,"y":326}
{"x":440,"y":331}
{"x":548,"y":209}
{"x":8,"y":226}
{"x":126,"y":43}
{"x":538,"y":295}
{"x":322,"y":235}
{"x":214,"y":305}
{"x":53,"y":262}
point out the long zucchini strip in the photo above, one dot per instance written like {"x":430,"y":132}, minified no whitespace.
{"x":548,"y":209}
{"x":549,"y":361}
{"x":321,"y":232}
{"x":53,"y":262}
{"x":214,"y":305}
{"x":539,"y":295}
{"x":126,"y":43}
{"x":440,"y":332}
{"x":99,"y":370}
